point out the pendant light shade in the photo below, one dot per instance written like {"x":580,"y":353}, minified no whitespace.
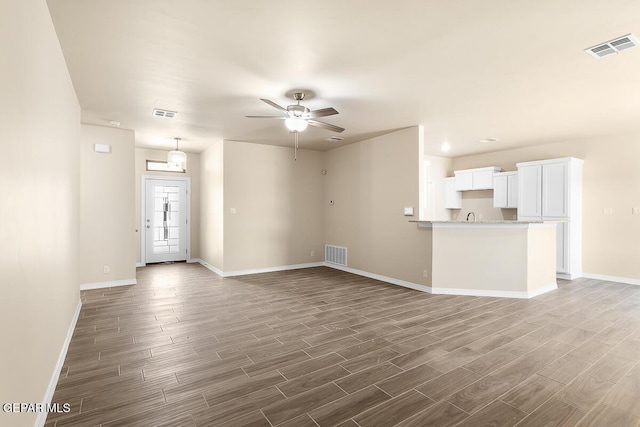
{"x":177,"y":157}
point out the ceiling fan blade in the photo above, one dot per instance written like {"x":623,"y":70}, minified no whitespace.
{"x":273,"y":104}
{"x":324,"y":125}
{"x":322,"y":112}
{"x":266,"y":117}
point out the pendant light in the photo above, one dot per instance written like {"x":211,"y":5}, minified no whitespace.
{"x":177,"y":157}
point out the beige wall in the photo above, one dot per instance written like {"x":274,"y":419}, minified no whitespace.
{"x":611,"y":179}
{"x":193,"y":172}
{"x":211,"y":205}
{"x":278,"y":205}
{"x":39,"y":127}
{"x":107,"y":230}
{"x":371,"y":182}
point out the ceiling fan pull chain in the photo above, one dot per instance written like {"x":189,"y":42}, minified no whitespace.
{"x":295,"y":150}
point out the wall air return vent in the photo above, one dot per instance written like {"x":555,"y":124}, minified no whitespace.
{"x":335,"y":254}
{"x":613,"y":46}
{"x":164,"y":113}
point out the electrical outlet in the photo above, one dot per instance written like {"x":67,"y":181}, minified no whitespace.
{"x":607,"y":211}
{"x":313,"y":253}
{"x":105,"y":269}
{"x":479,"y":216}
{"x":425,"y":273}
{"x":232,"y":211}
{"x":635,"y":210}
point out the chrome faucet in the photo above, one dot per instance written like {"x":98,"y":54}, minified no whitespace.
{"x":474,"y":216}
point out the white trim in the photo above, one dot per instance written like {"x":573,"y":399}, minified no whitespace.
{"x":272,"y":269}
{"x":625,"y":280}
{"x":140,"y":264}
{"x":492,"y":293}
{"x":110,"y":284}
{"x":53,"y":382}
{"x":403,"y":283}
{"x":208,"y":266}
{"x":143,"y":207}
{"x":567,"y":276}
{"x":255,"y":270}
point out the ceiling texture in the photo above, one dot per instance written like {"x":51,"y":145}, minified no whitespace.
{"x":467,"y":70}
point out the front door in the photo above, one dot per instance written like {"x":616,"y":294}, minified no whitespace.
{"x":166,"y":220}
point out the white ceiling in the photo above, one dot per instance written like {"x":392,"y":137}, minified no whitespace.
{"x":466,"y":70}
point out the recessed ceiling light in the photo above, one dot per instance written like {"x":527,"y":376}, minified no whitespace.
{"x":164,"y":113}
{"x":445,"y":146}
{"x":490,"y":140}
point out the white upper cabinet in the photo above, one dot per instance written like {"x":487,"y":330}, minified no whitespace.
{"x":452,"y":198}
{"x":475,"y":179}
{"x":555,"y":190}
{"x":546,"y":188}
{"x":530,"y":190}
{"x":505,"y":190}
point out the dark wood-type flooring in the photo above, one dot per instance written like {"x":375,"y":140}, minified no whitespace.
{"x":320,"y":347}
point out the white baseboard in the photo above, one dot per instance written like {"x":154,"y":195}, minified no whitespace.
{"x":393,"y":281}
{"x":110,"y":284}
{"x":53,"y":382}
{"x":617,"y":279}
{"x":255,"y":270}
{"x":140,"y":264}
{"x":193,"y":260}
{"x":209,"y":266}
{"x":492,"y":293}
{"x":567,"y":276}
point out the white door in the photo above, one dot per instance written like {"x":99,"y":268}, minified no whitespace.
{"x":165,"y":221}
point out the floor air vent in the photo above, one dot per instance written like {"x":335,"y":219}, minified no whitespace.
{"x":335,"y":254}
{"x":613,"y":46}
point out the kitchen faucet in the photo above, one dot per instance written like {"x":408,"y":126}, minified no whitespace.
{"x":474,"y":216}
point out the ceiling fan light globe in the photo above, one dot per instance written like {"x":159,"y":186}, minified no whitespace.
{"x":295,"y":124}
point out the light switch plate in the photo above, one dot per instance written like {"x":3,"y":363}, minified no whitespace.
{"x":635,"y":210}
{"x":607,"y":211}
{"x":408,"y":211}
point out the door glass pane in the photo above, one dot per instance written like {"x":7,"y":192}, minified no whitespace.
{"x":166,"y":220}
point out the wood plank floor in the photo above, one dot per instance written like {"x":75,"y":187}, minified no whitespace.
{"x":320,"y":347}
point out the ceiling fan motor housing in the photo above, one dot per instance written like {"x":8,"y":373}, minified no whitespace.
{"x":297,"y":110}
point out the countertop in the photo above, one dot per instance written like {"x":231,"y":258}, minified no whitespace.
{"x":481,"y":221}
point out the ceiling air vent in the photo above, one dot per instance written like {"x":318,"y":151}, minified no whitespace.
{"x":164,"y":113}
{"x":335,"y":138}
{"x":613,"y":46}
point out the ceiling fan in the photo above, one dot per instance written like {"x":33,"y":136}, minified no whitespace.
{"x":297,"y":116}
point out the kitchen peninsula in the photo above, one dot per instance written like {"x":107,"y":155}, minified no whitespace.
{"x":514,"y":259}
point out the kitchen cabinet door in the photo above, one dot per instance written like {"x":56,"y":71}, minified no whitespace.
{"x":482,"y":180}
{"x":512,"y":190}
{"x":464,"y":181}
{"x":530,"y":191}
{"x":500,"y":190}
{"x":555,"y":188}
{"x":452,"y":198}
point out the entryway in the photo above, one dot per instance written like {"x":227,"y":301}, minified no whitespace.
{"x":165,"y":217}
